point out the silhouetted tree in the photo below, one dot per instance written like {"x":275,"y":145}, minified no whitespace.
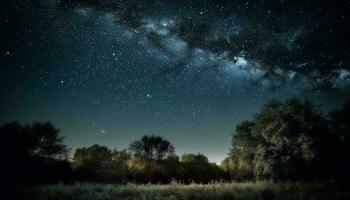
{"x":153,"y":161}
{"x":34,"y":140}
{"x":151,"y":158}
{"x":152,"y":148}
{"x":199,"y":169}
{"x":243,"y":151}
{"x":38,"y":148}
{"x":287,"y":140}
{"x":99,"y":163}
{"x":44,"y":141}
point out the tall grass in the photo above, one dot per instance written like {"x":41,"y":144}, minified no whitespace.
{"x":216,"y":191}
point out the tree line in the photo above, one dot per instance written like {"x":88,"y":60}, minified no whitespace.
{"x":287,"y":140}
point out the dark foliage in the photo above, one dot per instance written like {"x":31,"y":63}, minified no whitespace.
{"x":198,"y":169}
{"x":98,"y":163}
{"x":288,"y":140}
{"x":152,"y":148}
{"x":340,"y":129}
{"x":34,"y":153}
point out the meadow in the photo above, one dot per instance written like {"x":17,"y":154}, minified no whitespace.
{"x":264,"y":190}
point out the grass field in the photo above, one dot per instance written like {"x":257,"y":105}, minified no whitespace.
{"x":217,"y":191}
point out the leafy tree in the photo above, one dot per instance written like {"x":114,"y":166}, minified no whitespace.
{"x":94,"y":154}
{"x":152,"y":148}
{"x":240,"y":164}
{"x":295,"y":141}
{"x":34,"y":140}
{"x":198,"y":169}
{"x":154,"y":160}
{"x":287,"y":140}
{"x":99,"y":163}
{"x":173,"y":168}
{"x":119,"y":169}
{"x":45,"y":142}
{"x":38,"y":147}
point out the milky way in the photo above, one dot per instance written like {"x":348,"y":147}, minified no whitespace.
{"x":282,"y":39}
{"x":109,"y":72}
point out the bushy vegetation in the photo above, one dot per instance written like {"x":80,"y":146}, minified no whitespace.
{"x":286,"y":141}
{"x":33,"y":153}
{"x":291,"y":140}
{"x":174,"y":191}
{"x":151,"y":159}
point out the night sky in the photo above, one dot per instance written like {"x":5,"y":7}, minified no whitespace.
{"x":109,"y":72}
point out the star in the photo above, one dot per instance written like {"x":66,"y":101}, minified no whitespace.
{"x":140,"y":68}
